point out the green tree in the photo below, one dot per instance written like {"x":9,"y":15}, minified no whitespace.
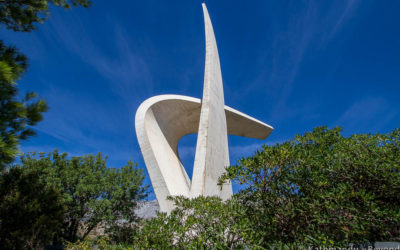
{"x":93,"y":194}
{"x":22,"y":15}
{"x":323,"y":189}
{"x":30,"y":213}
{"x":200,"y":223}
{"x":18,"y":116}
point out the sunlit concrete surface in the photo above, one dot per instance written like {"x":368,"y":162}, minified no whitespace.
{"x":161,"y":121}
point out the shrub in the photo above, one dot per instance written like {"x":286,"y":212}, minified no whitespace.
{"x":30,"y":212}
{"x":323,"y":189}
{"x":200,"y":223}
{"x":93,"y":194}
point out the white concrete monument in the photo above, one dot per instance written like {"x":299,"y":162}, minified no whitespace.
{"x":161,"y":121}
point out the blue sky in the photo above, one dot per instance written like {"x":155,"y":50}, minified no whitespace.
{"x":292,"y":64}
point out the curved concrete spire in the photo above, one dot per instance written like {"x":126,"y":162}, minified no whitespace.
{"x":212,"y":155}
{"x":161,"y":121}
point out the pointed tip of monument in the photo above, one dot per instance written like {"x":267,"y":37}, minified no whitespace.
{"x":207,"y":19}
{"x":204,"y":6}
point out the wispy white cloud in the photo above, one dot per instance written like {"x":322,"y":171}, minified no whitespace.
{"x":236,"y":152}
{"x":187,"y":152}
{"x":368,"y":114}
{"x":289,"y":48}
{"x":83,"y":121}
{"x":306,"y":30}
{"x":68,"y":109}
{"x":347,"y":12}
{"x":122,"y":65}
{"x":83,"y":125}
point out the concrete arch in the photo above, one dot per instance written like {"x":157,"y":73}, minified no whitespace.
{"x":161,"y":121}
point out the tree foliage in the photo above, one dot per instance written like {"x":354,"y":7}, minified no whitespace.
{"x":93,"y":194}
{"x":320,"y":189}
{"x":21,"y":15}
{"x":30,"y":213}
{"x":200,"y":223}
{"x":323,"y":189}
{"x":16,"y":116}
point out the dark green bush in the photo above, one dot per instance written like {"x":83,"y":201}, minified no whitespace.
{"x":94,"y":194}
{"x":200,"y":223}
{"x":323,"y":189}
{"x":30,"y":212}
